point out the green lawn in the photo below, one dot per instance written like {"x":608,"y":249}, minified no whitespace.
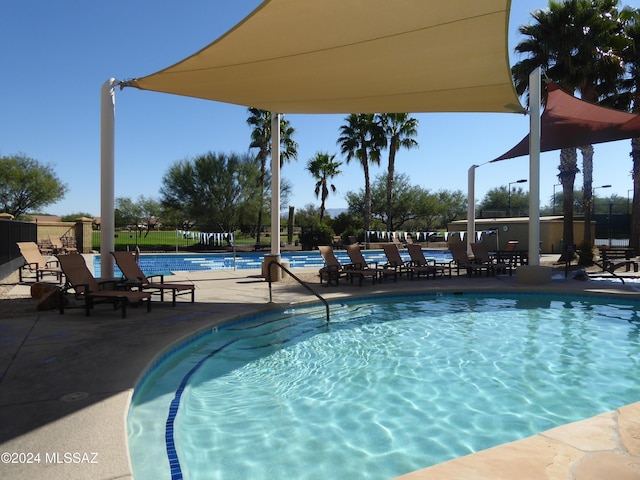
{"x":166,"y":240}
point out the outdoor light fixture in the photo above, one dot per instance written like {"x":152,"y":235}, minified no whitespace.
{"x":593,"y":202}
{"x":522,"y":180}
{"x":554,"y":197}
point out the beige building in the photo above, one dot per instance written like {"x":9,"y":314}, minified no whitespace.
{"x":498,"y":231}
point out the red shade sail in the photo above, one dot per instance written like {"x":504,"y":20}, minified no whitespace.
{"x":568,"y":122}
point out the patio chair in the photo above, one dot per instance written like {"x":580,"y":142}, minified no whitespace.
{"x":360,"y":268}
{"x":510,"y":255}
{"x":36,"y":263}
{"x":481,"y":255}
{"x":90,"y":291}
{"x":59,"y":246}
{"x":136,"y":278}
{"x":394,"y":259}
{"x":333,"y":270}
{"x":463,"y":262}
{"x":421,"y":266}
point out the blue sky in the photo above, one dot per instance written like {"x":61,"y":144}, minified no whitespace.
{"x":56,"y":56}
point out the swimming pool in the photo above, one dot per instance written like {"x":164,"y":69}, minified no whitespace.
{"x":178,"y":262}
{"x":389,"y":386}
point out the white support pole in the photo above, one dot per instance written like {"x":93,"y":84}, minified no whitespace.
{"x":107,"y":146}
{"x":275,"y":184}
{"x":534,"y":167}
{"x":471,"y":207}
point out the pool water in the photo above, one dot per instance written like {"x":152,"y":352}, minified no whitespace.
{"x":388,"y":387}
{"x":172,"y":262}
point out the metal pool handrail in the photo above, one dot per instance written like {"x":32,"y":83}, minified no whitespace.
{"x":287,"y":271}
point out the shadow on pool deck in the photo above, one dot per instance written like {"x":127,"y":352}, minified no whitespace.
{"x":67,"y":381}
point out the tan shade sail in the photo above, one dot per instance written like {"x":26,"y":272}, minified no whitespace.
{"x":355,"y":56}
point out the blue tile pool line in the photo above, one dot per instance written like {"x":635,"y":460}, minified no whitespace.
{"x":176,"y":262}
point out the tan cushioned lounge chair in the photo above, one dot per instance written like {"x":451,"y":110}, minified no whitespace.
{"x":131,"y":271}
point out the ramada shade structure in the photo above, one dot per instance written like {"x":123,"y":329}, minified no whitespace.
{"x":568,"y":121}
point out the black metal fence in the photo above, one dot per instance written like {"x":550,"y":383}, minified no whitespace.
{"x":612,"y":229}
{"x":11,"y":232}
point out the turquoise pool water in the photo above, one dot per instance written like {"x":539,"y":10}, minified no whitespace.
{"x":388,"y":387}
{"x":172,"y":262}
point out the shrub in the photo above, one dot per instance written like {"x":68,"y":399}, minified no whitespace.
{"x":585,"y":252}
{"x":317,"y":234}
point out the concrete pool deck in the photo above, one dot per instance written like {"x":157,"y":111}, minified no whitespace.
{"x":67,"y":381}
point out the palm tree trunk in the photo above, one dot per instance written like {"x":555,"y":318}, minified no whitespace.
{"x":390,"y":181}
{"x":367,"y":198}
{"x":263,"y":176}
{"x":568,"y":169}
{"x":325,"y":194}
{"x":364,"y":158}
{"x":587,"y":191}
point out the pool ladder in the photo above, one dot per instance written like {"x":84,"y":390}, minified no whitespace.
{"x":288,"y":272}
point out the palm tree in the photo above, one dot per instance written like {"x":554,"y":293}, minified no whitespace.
{"x":260,"y":120}
{"x":362,"y":138}
{"x":603,"y":67}
{"x":571,"y":41}
{"x":399,"y":130}
{"x":631,"y":19}
{"x":323,"y":168}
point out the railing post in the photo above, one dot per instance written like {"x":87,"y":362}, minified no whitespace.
{"x":288,"y":272}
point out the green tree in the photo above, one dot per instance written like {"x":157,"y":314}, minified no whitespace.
{"x":453,"y":205}
{"x":414,"y":207}
{"x":399,"y":130}
{"x":362,"y":138}
{"x":72,"y":217}
{"x":213,"y":189}
{"x":141,"y":214}
{"x":405,"y":205}
{"x":308,"y":215}
{"x":497,"y":200}
{"x":323,"y":168}
{"x":572,"y":41}
{"x":27,"y":185}
{"x":347,"y":222}
{"x":260,"y":121}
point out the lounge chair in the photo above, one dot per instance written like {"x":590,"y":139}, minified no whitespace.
{"x":463,"y":262}
{"x":421,"y":266}
{"x":360,"y":268}
{"x":512,"y":256}
{"x":90,"y":291}
{"x":36,"y":263}
{"x":333,"y":270}
{"x":394,"y":259}
{"x":482,"y":256}
{"x":59,"y":246}
{"x":136,"y":278}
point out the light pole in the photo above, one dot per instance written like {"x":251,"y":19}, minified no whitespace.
{"x":522,"y":180}
{"x":554,"y":197}
{"x":593,"y":210}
